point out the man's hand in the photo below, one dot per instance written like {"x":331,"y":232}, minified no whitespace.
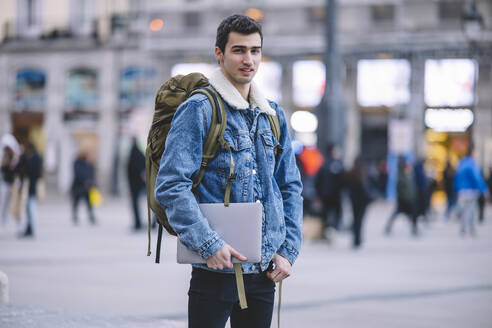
{"x":223,"y":258}
{"x":282,"y":268}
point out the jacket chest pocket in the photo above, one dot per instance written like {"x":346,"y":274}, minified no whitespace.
{"x":269,"y":143}
{"x":240,"y":145}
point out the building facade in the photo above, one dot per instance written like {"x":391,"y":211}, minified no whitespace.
{"x":83,"y":74}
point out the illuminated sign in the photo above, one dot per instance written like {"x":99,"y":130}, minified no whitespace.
{"x":450,"y":82}
{"x":383,"y":82}
{"x":269,"y":80}
{"x":308,"y":82}
{"x":187,"y":68}
{"x":449,"y":120}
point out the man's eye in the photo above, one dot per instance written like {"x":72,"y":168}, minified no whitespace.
{"x":237,"y":51}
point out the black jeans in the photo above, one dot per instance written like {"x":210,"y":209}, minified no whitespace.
{"x":359,"y":211}
{"x":135,"y":195}
{"x":213,"y":299}
{"x":76,"y":198}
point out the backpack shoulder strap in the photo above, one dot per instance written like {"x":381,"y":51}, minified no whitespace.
{"x":275,"y":126}
{"x":216,"y":131}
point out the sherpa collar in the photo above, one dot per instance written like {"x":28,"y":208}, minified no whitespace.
{"x":232,"y":96}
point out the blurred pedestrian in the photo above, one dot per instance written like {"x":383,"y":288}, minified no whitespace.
{"x":481,"y":208}
{"x":136,"y":180}
{"x":6,"y":181}
{"x":309,"y":161}
{"x":423,"y":190}
{"x":329,"y":184}
{"x":383,"y":177}
{"x":468,"y":185}
{"x":489,"y":182}
{"x":9,"y":155}
{"x":448,"y":176}
{"x":30,"y":167}
{"x":360,"y":196}
{"x":406,"y":197}
{"x":83,"y":181}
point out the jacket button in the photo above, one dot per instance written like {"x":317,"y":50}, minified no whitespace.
{"x":254,"y":171}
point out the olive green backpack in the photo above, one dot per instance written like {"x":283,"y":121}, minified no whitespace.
{"x":170,"y":95}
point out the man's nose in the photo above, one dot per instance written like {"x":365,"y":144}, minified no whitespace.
{"x":247,"y":58}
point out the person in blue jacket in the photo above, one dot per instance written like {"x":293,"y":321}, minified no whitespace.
{"x":260,"y":176}
{"x":468,"y":185}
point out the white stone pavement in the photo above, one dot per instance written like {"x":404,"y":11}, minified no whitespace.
{"x":100,"y":276}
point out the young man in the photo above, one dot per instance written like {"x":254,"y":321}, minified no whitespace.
{"x":260,"y":176}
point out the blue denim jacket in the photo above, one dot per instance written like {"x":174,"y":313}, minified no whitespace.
{"x":260,"y":177}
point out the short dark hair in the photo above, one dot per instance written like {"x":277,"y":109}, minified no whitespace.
{"x":236,"y":23}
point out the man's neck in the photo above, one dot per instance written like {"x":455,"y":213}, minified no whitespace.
{"x":242,"y":88}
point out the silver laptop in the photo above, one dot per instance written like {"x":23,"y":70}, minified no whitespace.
{"x":239,"y":225}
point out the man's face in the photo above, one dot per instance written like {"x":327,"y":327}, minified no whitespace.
{"x":241,"y":58}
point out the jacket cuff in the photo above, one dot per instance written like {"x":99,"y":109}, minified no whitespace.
{"x":211,"y":246}
{"x":289,"y":252}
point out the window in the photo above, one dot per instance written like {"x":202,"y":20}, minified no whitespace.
{"x":316,"y":15}
{"x":29,"y":17}
{"x":450,"y":10}
{"x":383,"y":13}
{"x":82,"y":92}
{"x":136,"y":86}
{"x":192,"y":20}
{"x":82,"y":15}
{"x":30,"y":89}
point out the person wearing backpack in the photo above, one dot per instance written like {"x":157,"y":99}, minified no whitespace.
{"x":251,"y":165}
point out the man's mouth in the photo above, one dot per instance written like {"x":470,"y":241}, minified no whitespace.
{"x":246,"y":70}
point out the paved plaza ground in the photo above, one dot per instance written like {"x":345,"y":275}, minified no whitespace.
{"x":100,"y":276}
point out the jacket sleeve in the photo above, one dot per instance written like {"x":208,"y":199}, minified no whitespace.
{"x":288,"y":179}
{"x":180,"y":162}
{"x":479,"y":180}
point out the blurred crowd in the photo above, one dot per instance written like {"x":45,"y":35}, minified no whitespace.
{"x":22,"y":185}
{"x":328,"y":185}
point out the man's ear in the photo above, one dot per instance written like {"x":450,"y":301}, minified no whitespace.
{"x":218,"y":54}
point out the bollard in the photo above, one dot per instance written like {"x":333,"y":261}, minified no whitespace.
{"x":4,"y":288}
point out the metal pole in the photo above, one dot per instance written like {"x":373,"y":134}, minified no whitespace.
{"x":330,"y":112}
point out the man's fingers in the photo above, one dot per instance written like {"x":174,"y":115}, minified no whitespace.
{"x":238,"y":255}
{"x":281,"y":276}
{"x":277,"y":275}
